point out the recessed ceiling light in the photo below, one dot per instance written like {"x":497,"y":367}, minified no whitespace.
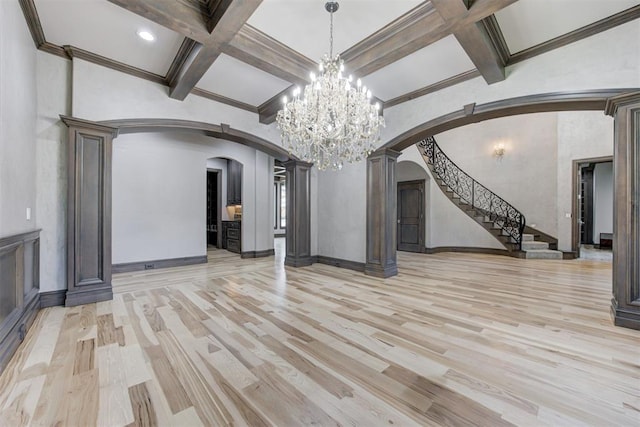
{"x":146,"y":35}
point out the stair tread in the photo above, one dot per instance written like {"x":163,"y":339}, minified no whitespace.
{"x":534,"y":245}
{"x":543,"y":254}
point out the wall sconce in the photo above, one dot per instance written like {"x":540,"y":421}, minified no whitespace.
{"x":498,"y":150}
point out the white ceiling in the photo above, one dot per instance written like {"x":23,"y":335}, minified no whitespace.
{"x":303,"y":25}
{"x":434,"y":63}
{"x":237,"y":80}
{"x":108,"y":30}
{"x":527,"y":23}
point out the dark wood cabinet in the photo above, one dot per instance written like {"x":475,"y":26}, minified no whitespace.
{"x":232,"y":236}
{"x":234,"y":183}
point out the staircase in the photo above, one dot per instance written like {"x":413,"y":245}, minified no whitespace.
{"x":501,"y":219}
{"x":534,"y":249}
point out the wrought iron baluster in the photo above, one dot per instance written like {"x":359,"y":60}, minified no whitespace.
{"x":500,"y":212}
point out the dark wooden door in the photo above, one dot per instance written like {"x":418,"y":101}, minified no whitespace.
{"x":411,"y":216}
{"x":586,"y":204}
{"x":212,"y":208}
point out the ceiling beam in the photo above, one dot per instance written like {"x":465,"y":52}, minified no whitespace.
{"x":183,"y":54}
{"x":411,"y":32}
{"x":268,"y":110}
{"x":423,"y":25}
{"x":473,"y":36}
{"x":180,"y":17}
{"x":475,"y":41}
{"x":229,"y":18}
{"x":257,"y":49}
{"x":479,"y":10}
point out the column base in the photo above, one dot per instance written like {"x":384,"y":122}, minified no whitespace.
{"x":298,"y":261}
{"x":88,"y":296}
{"x":377,"y":270}
{"x":625,"y":318}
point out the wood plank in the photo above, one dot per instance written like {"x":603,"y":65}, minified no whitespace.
{"x":294,"y":408}
{"x":114,"y":408}
{"x":169,"y":382}
{"x":247,"y":410}
{"x":144,"y":413}
{"x":83,"y":408}
{"x":107,"y":331}
{"x":85,"y":356}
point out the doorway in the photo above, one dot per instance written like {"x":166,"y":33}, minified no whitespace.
{"x":214,"y":204}
{"x":411,"y":204}
{"x":592,"y":216}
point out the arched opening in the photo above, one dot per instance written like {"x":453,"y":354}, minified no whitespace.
{"x":383,"y":234}
{"x":160,"y":197}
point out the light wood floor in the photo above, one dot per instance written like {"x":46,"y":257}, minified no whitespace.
{"x":454,"y":339}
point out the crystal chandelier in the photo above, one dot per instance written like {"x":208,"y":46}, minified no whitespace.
{"x":332,"y":120}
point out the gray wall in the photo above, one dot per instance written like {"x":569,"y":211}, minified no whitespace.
{"x":54,"y":89}
{"x":342,"y":213}
{"x":526,"y":176}
{"x":602,"y":200}
{"x":607,"y":60}
{"x":17,"y":122}
{"x":581,"y":135}
{"x":159,"y":195}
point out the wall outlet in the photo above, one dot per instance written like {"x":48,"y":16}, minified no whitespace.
{"x":567,"y":215}
{"x":149,"y":267}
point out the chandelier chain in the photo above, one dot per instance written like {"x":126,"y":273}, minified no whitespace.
{"x":331,"y":36}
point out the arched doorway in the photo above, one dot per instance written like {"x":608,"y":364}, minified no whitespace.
{"x":89,"y":247}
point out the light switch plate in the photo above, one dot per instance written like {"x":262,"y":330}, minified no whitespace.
{"x":28,"y":214}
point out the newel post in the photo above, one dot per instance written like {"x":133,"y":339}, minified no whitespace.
{"x":625,"y":304}
{"x":381,"y":213}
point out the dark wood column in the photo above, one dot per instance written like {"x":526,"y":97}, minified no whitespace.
{"x":298,"y":253}
{"x":381,"y":213}
{"x":625,"y":304}
{"x":89,"y":212}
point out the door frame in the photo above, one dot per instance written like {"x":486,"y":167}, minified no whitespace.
{"x":575,"y":202}
{"x":422,"y":229}
{"x":218,"y":205}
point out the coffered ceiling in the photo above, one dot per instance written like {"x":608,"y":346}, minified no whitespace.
{"x":247,"y":53}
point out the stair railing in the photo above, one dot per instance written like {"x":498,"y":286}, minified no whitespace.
{"x":503,"y":215}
